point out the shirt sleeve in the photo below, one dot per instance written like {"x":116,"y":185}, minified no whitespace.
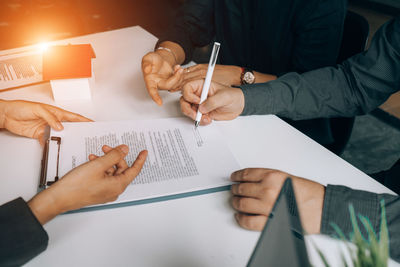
{"x":355,"y":87}
{"x":193,"y":26}
{"x":22,"y":237}
{"x":318,"y":35}
{"x":336,"y":210}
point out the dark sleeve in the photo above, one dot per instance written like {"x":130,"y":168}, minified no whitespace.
{"x":318,"y":35}
{"x":22,"y":237}
{"x":336,"y":210}
{"x":358,"y":86}
{"x":193,"y":27}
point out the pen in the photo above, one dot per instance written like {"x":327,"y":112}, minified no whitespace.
{"x":207,"y":82}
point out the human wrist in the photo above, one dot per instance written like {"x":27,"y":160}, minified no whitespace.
{"x":3,"y":104}
{"x":237,"y":74}
{"x":167,"y":54}
{"x":172,"y":50}
{"x":46,"y":205}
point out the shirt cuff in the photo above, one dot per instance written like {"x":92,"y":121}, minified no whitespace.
{"x":258,"y":99}
{"x":22,"y":237}
{"x":336,"y":209}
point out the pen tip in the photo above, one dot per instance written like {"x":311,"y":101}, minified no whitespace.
{"x":196,"y":123}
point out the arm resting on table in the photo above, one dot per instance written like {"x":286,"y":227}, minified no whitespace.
{"x":358,"y":86}
{"x":22,"y":237}
{"x":336,"y":210}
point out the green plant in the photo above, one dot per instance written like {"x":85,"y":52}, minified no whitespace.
{"x":370,"y":252}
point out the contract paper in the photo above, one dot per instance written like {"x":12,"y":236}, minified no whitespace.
{"x":20,"y":68}
{"x":181,"y":158}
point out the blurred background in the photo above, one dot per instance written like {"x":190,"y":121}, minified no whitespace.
{"x":375,"y":142}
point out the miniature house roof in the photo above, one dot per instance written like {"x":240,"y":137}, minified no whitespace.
{"x":68,"y":62}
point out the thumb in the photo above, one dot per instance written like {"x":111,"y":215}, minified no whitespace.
{"x":113,"y":157}
{"x":150,"y":63}
{"x":146,"y":66}
{"x":50,"y":118}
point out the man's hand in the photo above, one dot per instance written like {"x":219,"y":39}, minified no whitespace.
{"x":160,"y":73}
{"x":223,"y":102}
{"x":101,"y":180}
{"x":30,"y":118}
{"x":223,"y":74}
{"x":256,"y":193}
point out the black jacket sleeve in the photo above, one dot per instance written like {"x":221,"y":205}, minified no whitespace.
{"x":358,"y":86}
{"x":336,"y":210}
{"x":193,"y":26}
{"x":22,"y":237}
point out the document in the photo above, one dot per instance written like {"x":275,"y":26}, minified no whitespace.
{"x":181,"y":158}
{"x":20,"y":68}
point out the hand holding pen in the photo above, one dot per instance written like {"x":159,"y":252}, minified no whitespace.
{"x":215,"y":101}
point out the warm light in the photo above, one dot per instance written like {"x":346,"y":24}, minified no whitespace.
{"x":43,"y":46}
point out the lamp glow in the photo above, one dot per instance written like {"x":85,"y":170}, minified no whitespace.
{"x":43,"y":46}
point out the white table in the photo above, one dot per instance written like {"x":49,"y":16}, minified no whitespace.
{"x":195,"y":231}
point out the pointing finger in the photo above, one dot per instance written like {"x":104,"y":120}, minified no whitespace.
{"x":131,"y":173}
{"x":247,"y":175}
{"x":187,"y":109}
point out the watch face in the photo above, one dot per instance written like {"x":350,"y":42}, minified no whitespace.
{"x":248,"y":77}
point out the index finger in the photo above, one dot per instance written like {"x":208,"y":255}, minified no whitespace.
{"x":65,"y":115}
{"x":131,"y":173}
{"x":249,"y":175}
{"x":191,"y":91}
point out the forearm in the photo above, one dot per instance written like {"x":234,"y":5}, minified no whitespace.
{"x":263,"y":78}
{"x":336,"y":211}
{"x":319,"y":93}
{"x":173,"y":54}
{"x":45,"y":206}
{"x":358,"y":86}
{"x":2,"y":113}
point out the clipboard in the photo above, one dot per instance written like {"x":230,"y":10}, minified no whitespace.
{"x":49,"y":173}
{"x":174,"y":149}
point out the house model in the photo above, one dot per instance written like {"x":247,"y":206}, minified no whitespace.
{"x":69,"y":70}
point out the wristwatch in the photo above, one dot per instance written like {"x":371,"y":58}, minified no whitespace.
{"x":247,"y":76}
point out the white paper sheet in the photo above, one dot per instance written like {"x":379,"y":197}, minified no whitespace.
{"x":21,"y":68}
{"x":181,"y":158}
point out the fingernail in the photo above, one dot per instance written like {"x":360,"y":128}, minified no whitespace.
{"x":59,"y":126}
{"x":236,"y":216}
{"x":125,"y":149}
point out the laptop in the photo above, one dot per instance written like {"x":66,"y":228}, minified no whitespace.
{"x":281,"y":242}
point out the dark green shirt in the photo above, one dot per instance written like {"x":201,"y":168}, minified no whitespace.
{"x":357,"y":86}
